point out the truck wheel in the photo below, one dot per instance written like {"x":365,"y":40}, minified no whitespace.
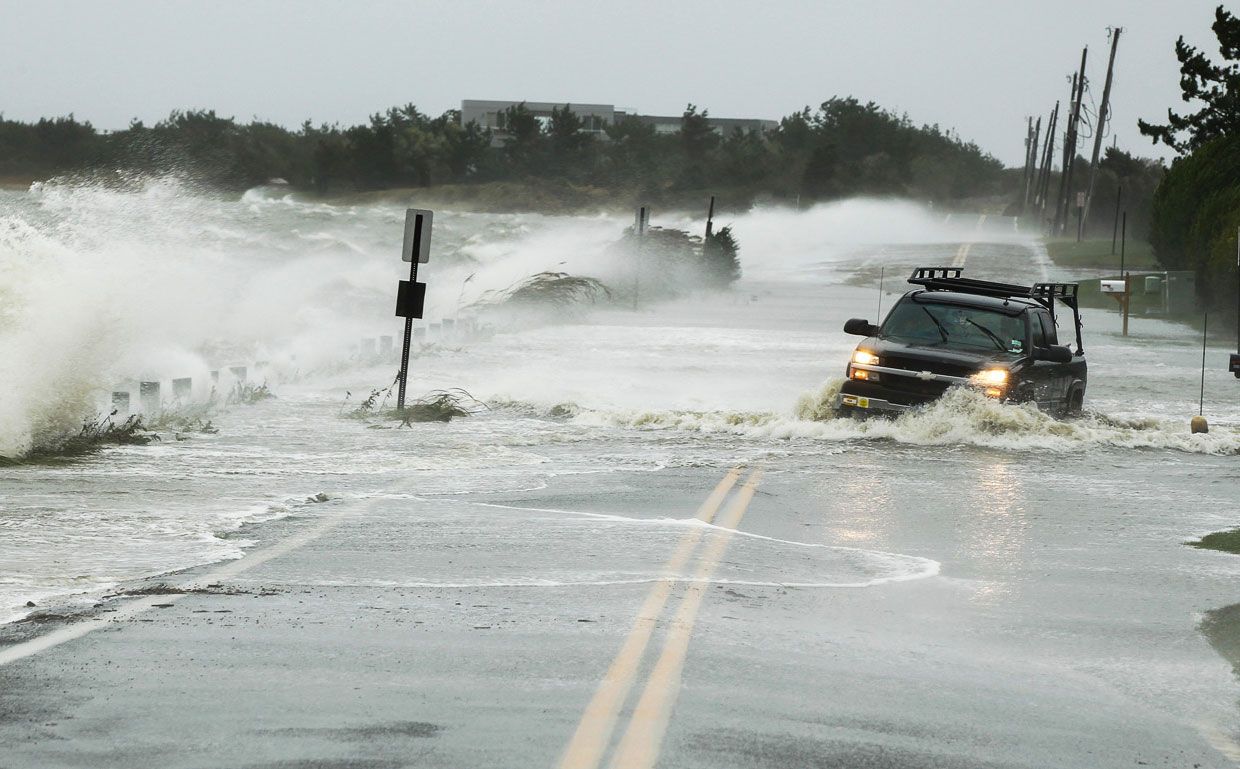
{"x":1076,"y":401}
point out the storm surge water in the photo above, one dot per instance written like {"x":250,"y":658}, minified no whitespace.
{"x":151,"y":279}
{"x":961,"y":417}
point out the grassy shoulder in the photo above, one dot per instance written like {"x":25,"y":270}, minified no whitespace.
{"x":1224,"y":541}
{"x":1096,"y":254}
{"x":16,"y":182}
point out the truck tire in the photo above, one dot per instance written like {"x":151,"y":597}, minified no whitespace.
{"x":1076,"y":400}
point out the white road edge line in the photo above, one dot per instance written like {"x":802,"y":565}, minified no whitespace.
{"x":132,"y":608}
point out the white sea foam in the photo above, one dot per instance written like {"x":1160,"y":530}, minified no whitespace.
{"x":960,"y":417}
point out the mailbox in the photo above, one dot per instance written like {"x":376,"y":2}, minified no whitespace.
{"x":1112,"y":286}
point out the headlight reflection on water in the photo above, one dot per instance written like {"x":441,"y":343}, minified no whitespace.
{"x":993,"y":526}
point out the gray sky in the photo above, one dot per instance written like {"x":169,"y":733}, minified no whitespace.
{"x":979,"y":66}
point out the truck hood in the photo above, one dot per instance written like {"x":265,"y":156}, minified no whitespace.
{"x":937,"y":354}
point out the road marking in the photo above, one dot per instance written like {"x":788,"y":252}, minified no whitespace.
{"x":639,"y":748}
{"x":133,"y":608}
{"x":962,"y":254}
{"x":585,"y":749}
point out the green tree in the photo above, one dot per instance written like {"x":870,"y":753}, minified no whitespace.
{"x":570,"y":146}
{"x":1195,"y":215}
{"x":1215,"y":86}
{"x":523,"y":138}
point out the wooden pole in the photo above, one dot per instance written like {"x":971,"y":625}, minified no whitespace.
{"x":1033,"y":162}
{"x":1025,"y":172}
{"x":1103,"y":114}
{"x":1063,"y":167}
{"x":1069,"y":149}
{"x":1049,"y":156}
{"x":1119,"y":195}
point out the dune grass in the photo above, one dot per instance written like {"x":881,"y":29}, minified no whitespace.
{"x":1224,"y":541}
{"x":1096,"y":254}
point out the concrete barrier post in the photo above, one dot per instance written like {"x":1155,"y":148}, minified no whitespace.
{"x":148,"y":398}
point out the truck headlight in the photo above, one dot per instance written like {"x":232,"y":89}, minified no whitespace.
{"x":991,"y":378}
{"x":865,"y":357}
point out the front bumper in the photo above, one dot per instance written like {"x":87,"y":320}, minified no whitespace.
{"x":848,"y":400}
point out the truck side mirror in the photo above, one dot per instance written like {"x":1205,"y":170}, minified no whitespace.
{"x":860,"y":327}
{"x":1055,"y":354}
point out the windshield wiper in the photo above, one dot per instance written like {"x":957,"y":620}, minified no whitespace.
{"x":937,"y":325}
{"x":993,"y":336}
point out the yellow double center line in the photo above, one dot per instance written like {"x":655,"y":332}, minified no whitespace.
{"x":962,"y":254}
{"x":639,"y":748}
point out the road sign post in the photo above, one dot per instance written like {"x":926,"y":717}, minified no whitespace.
{"x":640,"y":222}
{"x":410,"y":294}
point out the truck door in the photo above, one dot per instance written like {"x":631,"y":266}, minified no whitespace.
{"x":1053,"y":379}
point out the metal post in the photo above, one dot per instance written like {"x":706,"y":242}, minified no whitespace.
{"x":1201,"y":404}
{"x":710,"y":216}
{"x":1123,"y":242}
{"x":1127,"y":300}
{"x":879,"y":317}
{"x":404,"y":350}
{"x":640,"y":230}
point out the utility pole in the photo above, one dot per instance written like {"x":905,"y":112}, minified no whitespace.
{"x":1063,"y":168}
{"x":1031,"y":163}
{"x":1069,"y":149}
{"x":1103,"y":114}
{"x":1048,"y":157}
{"x":1024,"y":181}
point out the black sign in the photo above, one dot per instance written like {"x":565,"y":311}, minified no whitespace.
{"x":410,"y":299}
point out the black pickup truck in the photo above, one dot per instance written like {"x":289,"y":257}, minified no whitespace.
{"x":999,"y":338}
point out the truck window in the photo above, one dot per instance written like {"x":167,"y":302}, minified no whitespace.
{"x":954,"y":326}
{"x":1039,"y":334}
{"x":1048,"y":328}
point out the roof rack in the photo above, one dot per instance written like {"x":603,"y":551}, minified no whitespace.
{"x":1045,"y":294}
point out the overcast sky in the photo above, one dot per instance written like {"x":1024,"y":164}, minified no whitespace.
{"x":978,"y":66}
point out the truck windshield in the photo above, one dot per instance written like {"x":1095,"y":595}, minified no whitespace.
{"x":950,"y":325}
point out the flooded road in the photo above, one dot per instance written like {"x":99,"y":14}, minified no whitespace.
{"x":656,"y":547}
